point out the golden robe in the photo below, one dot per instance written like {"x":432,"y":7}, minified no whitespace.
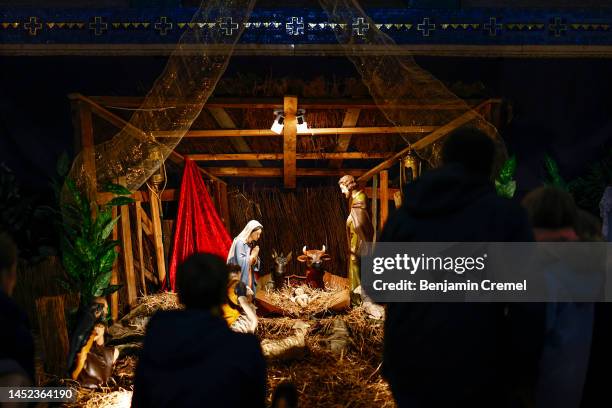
{"x":358,"y":230}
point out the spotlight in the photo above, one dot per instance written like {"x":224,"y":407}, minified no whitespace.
{"x":302,"y":126}
{"x":277,"y":126}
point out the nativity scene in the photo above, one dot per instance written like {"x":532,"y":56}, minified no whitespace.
{"x":206,"y":242}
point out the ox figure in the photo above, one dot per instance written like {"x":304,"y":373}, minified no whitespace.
{"x":314,"y":266}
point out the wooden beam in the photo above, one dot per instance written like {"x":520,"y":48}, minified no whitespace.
{"x":167,"y":195}
{"x":226,"y":122}
{"x":173,"y":195}
{"x":384,"y":198}
{"x":224,"y":205}
{"x":128,"y":256}
{"x":88,"y":148}
{"x":426,"y":141}
{"x":128,"y":127}
{"x":235,"y":156}
{"x":114,"y":297}
{"x":278,"y":172}
{"x":157,"y":238}
{"x":279,"y":156}
{"x":374,"y":196}
{"x":350,"y":120}
{"x":289,"y":141}
{"x":276,"y":103}
{"x":310,"y":132}
{"x":147,"y":224}
{"x":143,"y":282}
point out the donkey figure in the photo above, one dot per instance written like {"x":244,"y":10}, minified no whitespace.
{"x":280,"y":264}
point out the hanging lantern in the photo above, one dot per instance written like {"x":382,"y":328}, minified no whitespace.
{"x":410,"y":168}
{"x":156,"y":160}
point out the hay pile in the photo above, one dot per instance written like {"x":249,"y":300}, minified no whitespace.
{"x":350,"y":378}
{"x":326,"y":379}
{"x":95,"y":399}
{"x":303,"y":300}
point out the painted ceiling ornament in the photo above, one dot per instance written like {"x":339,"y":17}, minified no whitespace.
{"x":163,"y":25}
{"x":33,"y":26}
{"x":426,"y":27}
{"x":228,"y":26}
{"x":98,"y":25}
{"x":360,"y":27}
{"x":295,"y":26}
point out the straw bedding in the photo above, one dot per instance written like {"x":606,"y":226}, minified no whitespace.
{"x":324,"y":378}
{"x":303,"y":300}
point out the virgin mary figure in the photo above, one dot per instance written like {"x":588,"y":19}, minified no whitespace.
{"x":245,"y":252}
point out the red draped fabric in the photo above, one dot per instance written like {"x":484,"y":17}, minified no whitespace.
{"x":198,"y":225}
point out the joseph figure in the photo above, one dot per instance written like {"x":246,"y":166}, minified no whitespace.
{"x":358,"y":230}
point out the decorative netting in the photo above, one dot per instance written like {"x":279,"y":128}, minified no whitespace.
{"x":407,"y":95}
{"x":173,"y":103}
{"x":404,"y":92}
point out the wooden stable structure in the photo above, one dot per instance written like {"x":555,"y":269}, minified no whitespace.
{"x":149,"y":223}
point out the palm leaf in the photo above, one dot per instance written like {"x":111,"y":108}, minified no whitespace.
{"x":556,"y":180}
{"x":106,"y":261}
{"x":117,"y":201}
{"x":117,"y":189}
{"x":507,"y":171}
{"x":101,"y":283}
{"x":505,"y":186}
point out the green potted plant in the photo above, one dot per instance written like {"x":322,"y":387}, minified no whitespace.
{"x":505,"y":185}
{"x":88,"y":253}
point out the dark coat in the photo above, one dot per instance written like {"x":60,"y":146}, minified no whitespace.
{"x":16,"y":342}
{"x":456,"y":351}
{"x":192,"y":359}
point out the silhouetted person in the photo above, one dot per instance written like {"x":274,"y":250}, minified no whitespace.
{"x":569,"y":325}
{"x":190,"y":357}
{"x":596,"y":387}
{"x":16,"y":343}
{"x":456,"y":354}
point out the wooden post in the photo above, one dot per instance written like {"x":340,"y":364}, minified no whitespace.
{"x":128,"y":256}
{"x":157,"y":237}
{"x":224,"y":206}
{"x":375,"y":206}
{"x":84,"y":142}
{"x":114,"y":297}
{"x":143,"y":283}
{"x":53,"y":333}
{"x":384,"y":197}
{"x":290,"y":141}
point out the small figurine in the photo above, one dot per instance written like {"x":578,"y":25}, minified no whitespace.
{"x":239,"y":311}
{"x":314,"y":266}
{"x":300,"y":297}
{"x":359,"y":229}
{"x":245,"y":252}
{"x":90,"y":362}
{"x":278,"y":274}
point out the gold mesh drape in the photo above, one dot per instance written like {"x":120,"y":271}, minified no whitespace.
{"x":397,"y":80}
{"x":173,"y":103}
{"x":201,"y":57}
